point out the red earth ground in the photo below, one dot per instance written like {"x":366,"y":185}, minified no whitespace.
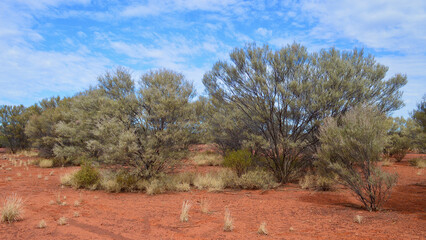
{"x":290,"y":212}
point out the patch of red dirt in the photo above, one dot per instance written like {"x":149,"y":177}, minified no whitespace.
{"x":290,"y":213}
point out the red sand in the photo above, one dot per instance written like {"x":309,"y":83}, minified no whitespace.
{"x":290,"y":213}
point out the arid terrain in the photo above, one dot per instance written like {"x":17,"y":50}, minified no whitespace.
{"x":289,"y":211}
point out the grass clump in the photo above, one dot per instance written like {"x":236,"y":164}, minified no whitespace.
{"x":12,"y":209}
{"x":228,"y":225}
{"x":257,"y":179}
{"x":211,"y":181}
{"x":317,"y":182}
{"x":42,"y":224}
{"x":62,"y":221}
{"x":45,"y":163}
{"x":418,"y":162}
{"x":358,"y":219}
{"x":207,"y":159}
{"x":262,"y":229}
{"x":184,"y":215}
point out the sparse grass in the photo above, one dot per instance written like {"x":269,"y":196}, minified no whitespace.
{"x":46,"y":178}
{"x":205,"y":206}
{"x":207,"y":159}
{"x":27,"y":153}
{"x":42,"y":224}
{"x":419,"y":172}
{"x":39,"y":176}
{"x":76,"y":214}
{"x":51,"y":202}
{"x":77,"y":203}
{"x":67,"y":179}
{"x":387,"y":162}
{"x":210,"y":181}
{"x":418,"y":162}
{"x":8,"y":179}
{"x":262,"y":229}
{"x":184,"y":215}
{"x":12,"y":209}
{"x":316,"y":182}
{"x":228,"y":225}
{"x":62,"y":221}
{"x":45,"y":163}
{"x":19,"y":174}
{"x":358,"y":219}
{"x":257,"y":179}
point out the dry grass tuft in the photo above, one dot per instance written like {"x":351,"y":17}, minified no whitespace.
{"x":76,"y":214}
{"x":8,"y":179}
{"x":46,"y":178}
{"x":77,"y":203}
{"x":418,"y":162}
{"x":19,"y":174}
{"x":207,"y":159}
{"x":228,"y":225}
{"x":210,"y":181}
{"x":205,"y":206}
{"x":358,"y":219}
{"x":387,"y":163}
{"x":45,"y":163}
{"x":51,"y":173}
{"x":184,"y":215}
{"x":12,"y":209}
{"x":39,"y":176}
{"x":62,"y":221}
{"x":262,"y":229}
{"x":42,"y":224}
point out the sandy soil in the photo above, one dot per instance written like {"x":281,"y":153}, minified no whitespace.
{"x":290,"y":213}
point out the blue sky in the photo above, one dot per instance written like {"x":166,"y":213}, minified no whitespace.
{"x":59,"y":47}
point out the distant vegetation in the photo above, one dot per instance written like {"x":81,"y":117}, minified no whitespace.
{"x":275,"y":115}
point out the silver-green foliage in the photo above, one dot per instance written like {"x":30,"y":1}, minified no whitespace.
{"x":280,"y":97}
{"x":146,"y":129}
{"x":351,"y":148}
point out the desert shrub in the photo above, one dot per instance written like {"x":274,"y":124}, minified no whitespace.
{"x":12,"y":127}
{"x":207,"y":159}
{"x":281,"y":96}
{"x":399,"y":141}
{"x":86,"y":177}
{"x":45,"y":163}
{"x":211,"y":181}
{"x":317,"y":182}
{"x":126,"y":180}
{"x":351,"y":150}
{"x":239,"y":160}
{"x":12,"y":209}
{"x":418,"y":162}
{"x":68,"y":179}
{"x":257,"y":179}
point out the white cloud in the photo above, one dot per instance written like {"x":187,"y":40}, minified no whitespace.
{"x":391,"y":25}
{"x":263,"y":32}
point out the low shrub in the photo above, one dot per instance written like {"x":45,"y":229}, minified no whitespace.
{"x":257,"y":179}
{"x":239,"y":160}
{"x":418,"y":162}
{"x":45,"y":163}
{"x":211,"y":181}
{"x":86,"y":177}
{"x":12,"y":209}
{"x":317,"y":182}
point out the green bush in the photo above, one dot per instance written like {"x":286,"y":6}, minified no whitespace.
{"x":351,"y":149}
{"x":86,"y":177}
{"x":257,"y":179}
{"x":239,"y":160}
